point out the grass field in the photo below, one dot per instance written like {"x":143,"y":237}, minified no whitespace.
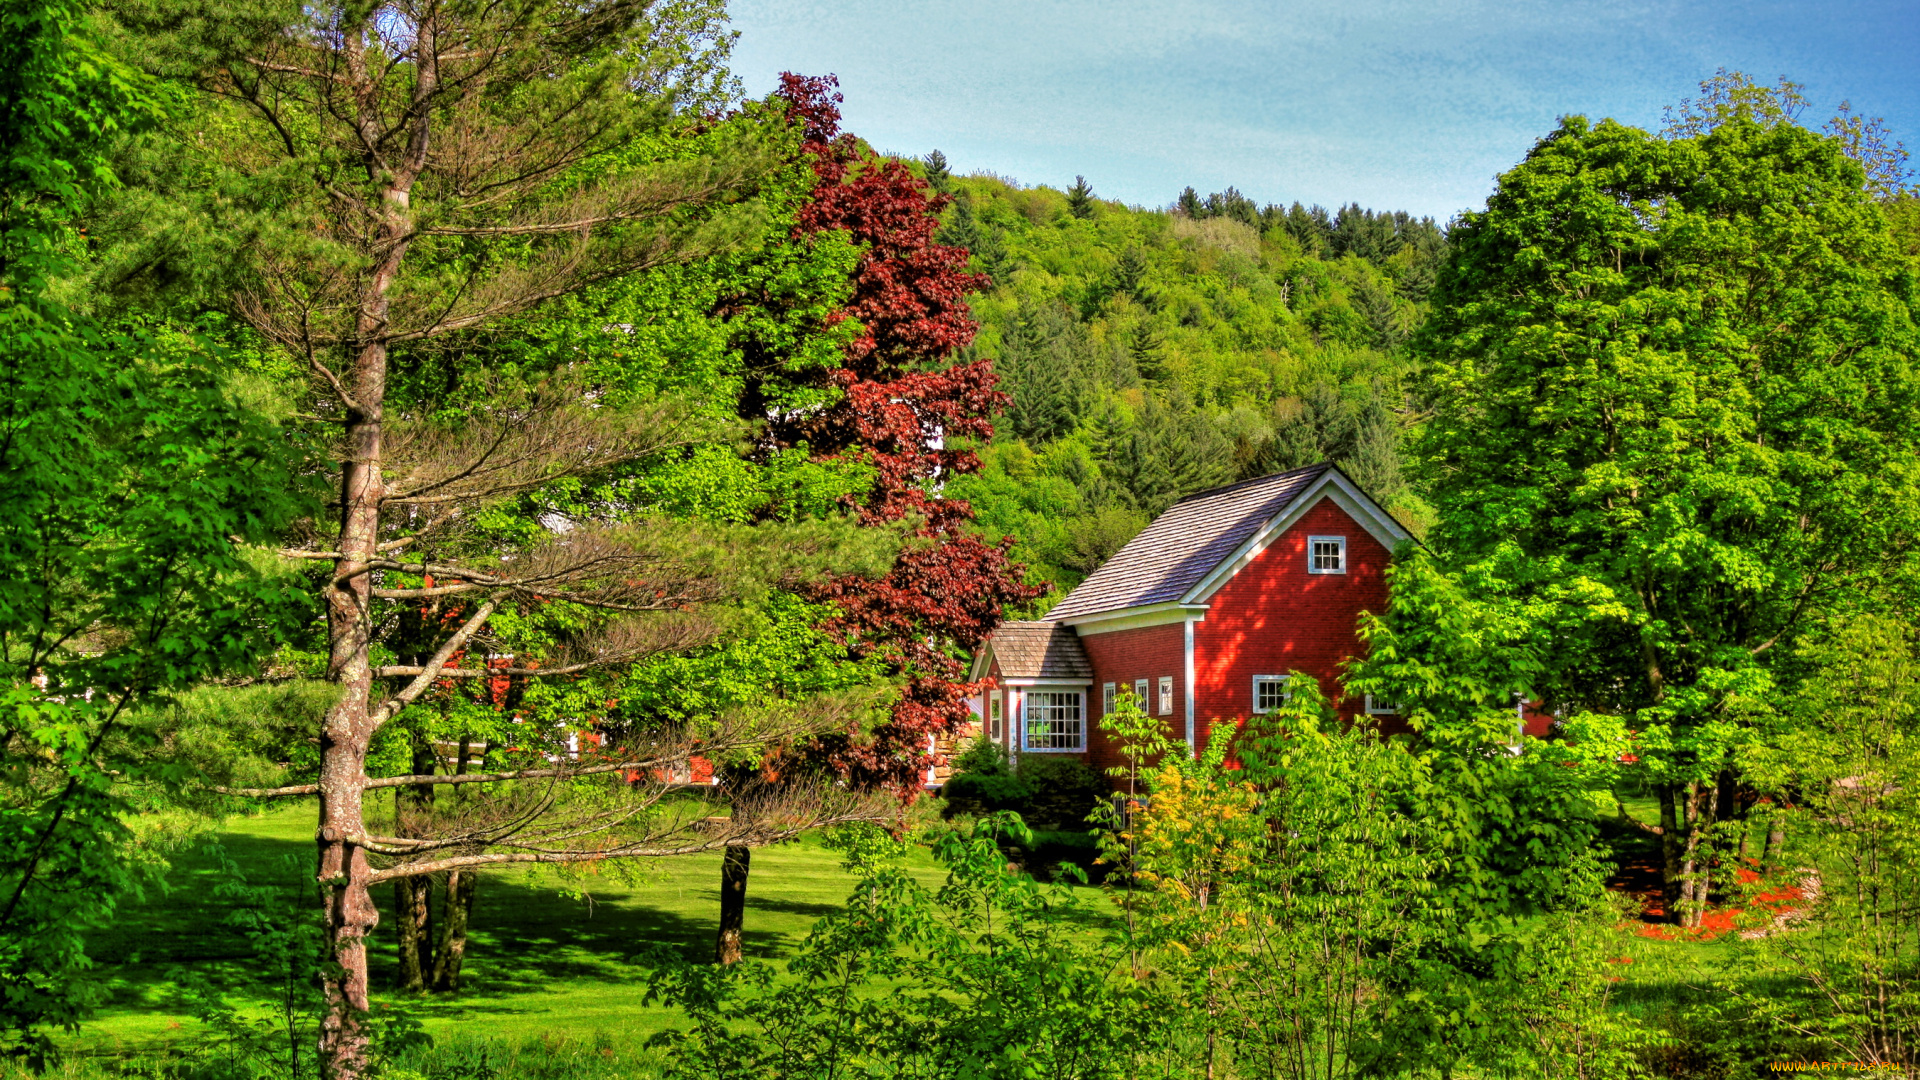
{"x":556,"y":967}
{"x":539,"y":962}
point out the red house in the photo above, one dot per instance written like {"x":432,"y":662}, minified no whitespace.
{"x":1202,"y":616}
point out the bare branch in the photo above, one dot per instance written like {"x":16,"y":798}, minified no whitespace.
{"x":392,"y":706}
{"x":514,"y":448}
{"x":757,"y":833}
{"x":1634,"y":821}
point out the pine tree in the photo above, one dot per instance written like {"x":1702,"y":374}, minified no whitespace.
{"x":1188,"y":204}
{"x":1129,"y":274}
{"x":1145,"y":346}
{"x":1080,"y":198}
{"x":1048,"y":363}
{"x":1173,"y":451}
{"x":986,"y":250}
{"x":939,"y":177}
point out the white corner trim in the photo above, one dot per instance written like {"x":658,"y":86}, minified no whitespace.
{"x":1193,"y":739}
{"x":1331,"y":485}
{"x":1133,"y":618}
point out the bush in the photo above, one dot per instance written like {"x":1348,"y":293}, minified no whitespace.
{"x":1064,"y":792}
{"x":983,"y":782}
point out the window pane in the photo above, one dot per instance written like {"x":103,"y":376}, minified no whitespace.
{"x":1326,"y":554}
{"x":1053,"y":720}
{"x":1166,"y":695}
{"x":1270,"y":694}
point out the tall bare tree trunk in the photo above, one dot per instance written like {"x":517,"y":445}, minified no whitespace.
{"x":455,"y":913}
{"x":351,"y":723}
{"x":456,"y":910}
{"x":413,"y":909}
{"x":413,"y":896}
{"x":733,"y":903}
{"x":1671,"y":851}
{"x":343,"y":870}
{"x":413,"y":924}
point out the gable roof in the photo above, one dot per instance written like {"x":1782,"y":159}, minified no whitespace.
{"x":1039,"y":650}
{"x":1180,"y":547}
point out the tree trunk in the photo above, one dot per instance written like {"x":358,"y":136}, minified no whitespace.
{"x":351,"y":723}
{"x":1671,"y":847}
{"x":733,"y":903}
{"x":455,"y":914}
{"x":1776,"y":840}
{"x":347,"y":903}
{"x":413,"y":926}
{"x":413,"y":897}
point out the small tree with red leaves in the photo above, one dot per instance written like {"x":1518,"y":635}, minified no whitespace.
{"x":905,"y":410}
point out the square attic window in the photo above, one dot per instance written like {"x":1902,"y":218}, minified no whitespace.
{"x":1326,"y":554}
{"x":1269,"y":693}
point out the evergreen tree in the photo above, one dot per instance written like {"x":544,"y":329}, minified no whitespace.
{"x":1172,"y":451}
{"x":1129,"y":274}
{"x":939,"y":177}
{"x":1144,"y":347}
{"x":1047,"y":366}
{"x":1188,"y":205}
{"x":1231,"y":204}
{"x":983,"y":243}
{"x":1080,"y":198}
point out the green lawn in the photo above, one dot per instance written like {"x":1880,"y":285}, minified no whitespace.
{"x":544,"y":961}
{"x":538,"y":961}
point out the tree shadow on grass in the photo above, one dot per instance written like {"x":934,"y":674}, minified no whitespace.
{"x":786,"y":907}
{"x":527,"y":937}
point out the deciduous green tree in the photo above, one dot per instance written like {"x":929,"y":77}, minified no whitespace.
{"x":1673,"y":395}
{"x":131,"y":482}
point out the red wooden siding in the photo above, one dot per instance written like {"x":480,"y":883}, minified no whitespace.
{"x":1122,"y":656}
{"x":1274,"y":617}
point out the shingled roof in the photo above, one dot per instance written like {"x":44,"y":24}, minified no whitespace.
{"x":1040,"y":650}
{"x":1182,"y":545}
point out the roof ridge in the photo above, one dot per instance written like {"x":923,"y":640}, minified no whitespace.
{"x":1224,"y":488}
{"x":1185,"y":542}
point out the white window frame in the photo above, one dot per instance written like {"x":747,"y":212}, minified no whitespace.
{"x":1026,"y":702}
{"x":1286,"y":692}
{"x":1106,"y":699}
{"x":996,"y":716}
{"x":1313,"y":541}
{"x":1381,"y":708}
{"x":1140,"y":694}
{"x":1166,"y":695}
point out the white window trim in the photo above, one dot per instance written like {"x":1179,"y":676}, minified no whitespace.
{"x":1166,"y":695}
{"x":1140,"y":694}
{"x":1286,"y":692}
{"x":1025,"y":698}
{"x":996,"y":716}
{"x":1108,"y":696}
{"x":1340,"y":540}
{"x":1381,"y":708}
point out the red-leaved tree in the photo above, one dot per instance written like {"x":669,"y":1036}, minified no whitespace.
{"x":903,"y":405}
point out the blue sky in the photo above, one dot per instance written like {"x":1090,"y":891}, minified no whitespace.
{"x":1394,"y":104}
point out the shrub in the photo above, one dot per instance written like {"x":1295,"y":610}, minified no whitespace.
{"x":1065,"y":791}
{"x":983,"y":782}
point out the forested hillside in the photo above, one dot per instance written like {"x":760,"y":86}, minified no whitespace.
{"x":1153,"y":353}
